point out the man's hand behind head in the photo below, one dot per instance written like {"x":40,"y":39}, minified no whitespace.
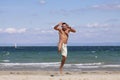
{"x":60,"y":23}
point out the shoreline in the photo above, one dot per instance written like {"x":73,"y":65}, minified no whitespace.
{"x":54,"y":75}
{"x":42,"y":72}
{"x":54,"y":66}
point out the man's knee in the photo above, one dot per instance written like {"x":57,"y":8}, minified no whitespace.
{"x":64,"y":58}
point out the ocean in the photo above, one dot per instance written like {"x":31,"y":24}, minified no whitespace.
{"x":79,"y":58}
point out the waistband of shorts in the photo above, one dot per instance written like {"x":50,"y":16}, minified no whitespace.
{"x":64,"y":44}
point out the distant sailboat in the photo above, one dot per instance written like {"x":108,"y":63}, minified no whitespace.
{"x":15,"y":45}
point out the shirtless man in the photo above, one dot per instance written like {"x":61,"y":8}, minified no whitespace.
{"x":64,"y":30}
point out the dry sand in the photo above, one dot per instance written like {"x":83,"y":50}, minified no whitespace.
{"x":54,"y":75}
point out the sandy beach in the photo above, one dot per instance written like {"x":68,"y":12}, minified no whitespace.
{"x":54,"y":75}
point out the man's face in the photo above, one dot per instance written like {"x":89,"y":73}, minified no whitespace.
{"x":64,"y":27}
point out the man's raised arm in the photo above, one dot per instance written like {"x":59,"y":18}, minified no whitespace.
{"x":72,"y":30}
{"x":57,"y":26}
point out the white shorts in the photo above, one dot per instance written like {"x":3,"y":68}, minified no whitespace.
{"x":64,"y":50}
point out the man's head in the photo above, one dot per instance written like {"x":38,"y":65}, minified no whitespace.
{"x":64,"y":26}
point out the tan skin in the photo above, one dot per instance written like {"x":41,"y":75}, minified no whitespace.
{"x":64,"y":31}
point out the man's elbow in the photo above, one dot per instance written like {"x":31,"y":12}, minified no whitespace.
{"x":74,"y":31}
{"x":55,"y":28}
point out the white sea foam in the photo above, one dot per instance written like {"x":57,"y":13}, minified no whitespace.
{"x":90,"y":64}
{"x":57,"y":64}
{"x":5,"y":61}
{"x":30,"y":64}
{"x":106,"y":66}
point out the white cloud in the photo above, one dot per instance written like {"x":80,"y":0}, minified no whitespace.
{"x":10,"y":30}
{"x":97,"y":25}
{"x":67,"y":12}
{"x":30,"y":30}
{"x":40,"y":31}
{"x":47,"y":31}
{"x":1,"y":30}
{"x":107,"y":6}
{"x":13,"y":30}
{"x":42,"y":1}
{"x":22,"y":30}
{"x":43,"y":31}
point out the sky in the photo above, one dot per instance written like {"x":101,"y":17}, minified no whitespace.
{"x":31,"y":22}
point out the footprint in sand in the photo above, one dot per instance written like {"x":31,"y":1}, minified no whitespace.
{"x":52,"y":75}
{"x":60,"y":79}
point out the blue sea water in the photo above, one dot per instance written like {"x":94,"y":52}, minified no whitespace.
{"x":47,"y":58}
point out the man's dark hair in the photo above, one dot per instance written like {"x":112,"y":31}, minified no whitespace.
{"x":65,"y":23}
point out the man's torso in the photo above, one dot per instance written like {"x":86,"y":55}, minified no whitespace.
{"x":63,"y":37}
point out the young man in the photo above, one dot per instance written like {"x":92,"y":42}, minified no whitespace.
{"x":64,"y":30}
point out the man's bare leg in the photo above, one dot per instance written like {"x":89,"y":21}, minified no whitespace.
{"x":62,"y":63}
